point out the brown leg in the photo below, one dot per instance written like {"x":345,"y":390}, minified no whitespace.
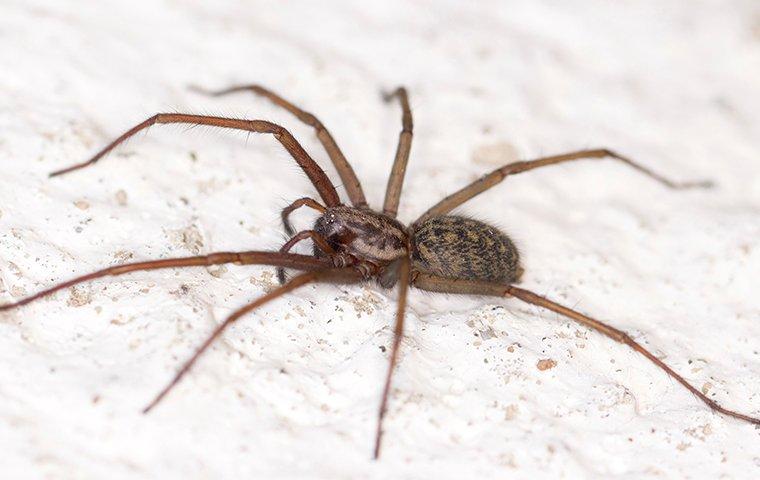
{"x":309,"y":202}
{"x":289,"y":260}
{"x":486,"y":182}
{"x":319,"y":242}
{"x":398,"y":333}
{"x":396,"y":179}
{"x":436,"y":284}
{"x":296,"y":282}
{"x":317,"y":176}
{"x":347,"y":175}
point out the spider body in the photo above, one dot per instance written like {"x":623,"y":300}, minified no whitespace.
{"x":439,"y":252}
{"x":448,"y":246}
{"x":456,"y":247}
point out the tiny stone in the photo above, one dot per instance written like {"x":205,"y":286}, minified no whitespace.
{"x":82,"y":204}
{"x":123,"y":255}
{"x":14,"y":269}
{"x":17,"y":291}
{"x":511,"y":411}
{"x":546,"y":364}
{"x":192,"y":239}
{"x":121,"y":197}
{"x":217,"y":270}
{"x":79,"y":297}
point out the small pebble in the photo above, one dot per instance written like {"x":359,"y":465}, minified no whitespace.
{"x":546,"y":364}
{"x":121,"y":198}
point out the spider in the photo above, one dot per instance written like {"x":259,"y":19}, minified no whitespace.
{"x":438,"y":252}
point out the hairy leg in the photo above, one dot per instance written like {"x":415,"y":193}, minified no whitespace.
{"x":289,"y":260}
{"x":396,"y":179}
{"x":398,"y":334}
{"x":305,"y":201}
{"x":494,"y":178}
{"x":294,"y":283}
{"x":437,"y":284}
{"x":346,"y":173}
{"x":319,"y":242}
{"x":317,"y":176}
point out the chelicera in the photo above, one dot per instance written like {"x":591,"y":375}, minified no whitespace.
{"x":438,"y":252}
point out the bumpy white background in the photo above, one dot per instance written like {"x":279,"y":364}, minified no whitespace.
{"x":292,"y":390}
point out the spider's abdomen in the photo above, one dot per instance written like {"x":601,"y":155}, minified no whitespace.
{"x":463,"y":248}
{"x":364,"y":234}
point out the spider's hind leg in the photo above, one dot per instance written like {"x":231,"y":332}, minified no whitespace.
{"x":497,"y":176}
{"x":426,"y":281}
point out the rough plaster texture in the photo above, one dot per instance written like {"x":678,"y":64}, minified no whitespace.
{"x":292,"y":390}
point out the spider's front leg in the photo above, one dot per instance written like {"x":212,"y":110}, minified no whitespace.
{"x":301,"y":202}
{"x":398,"y":171}
{"x":289,"y":260}
{"x":313,"y":171}
{"x":346,"y":172}
{"x":338,"y":259}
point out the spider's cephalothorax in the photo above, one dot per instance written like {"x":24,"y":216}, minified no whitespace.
{"x":369,"y":239}
{"x":439,"y":252}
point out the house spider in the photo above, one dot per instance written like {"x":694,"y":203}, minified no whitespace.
{"x":438,"y":252}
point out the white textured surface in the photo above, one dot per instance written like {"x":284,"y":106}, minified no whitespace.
{"x":673,"y":84}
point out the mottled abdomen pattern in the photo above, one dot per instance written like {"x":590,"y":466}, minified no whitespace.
{"x":463,"y":248}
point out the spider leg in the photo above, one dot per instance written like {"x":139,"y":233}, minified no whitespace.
{"x":317,"y":176}
{"x":396,"y":179}
{"x":289,"y":260}
{"x":294,"y":283}
{"x":346,"y":173}
{"x":398,"y":333}
{"x":309,"y":202}
{"x":319,"y":242}
{"x":487,"y":181}
{"x":437,"y":284}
